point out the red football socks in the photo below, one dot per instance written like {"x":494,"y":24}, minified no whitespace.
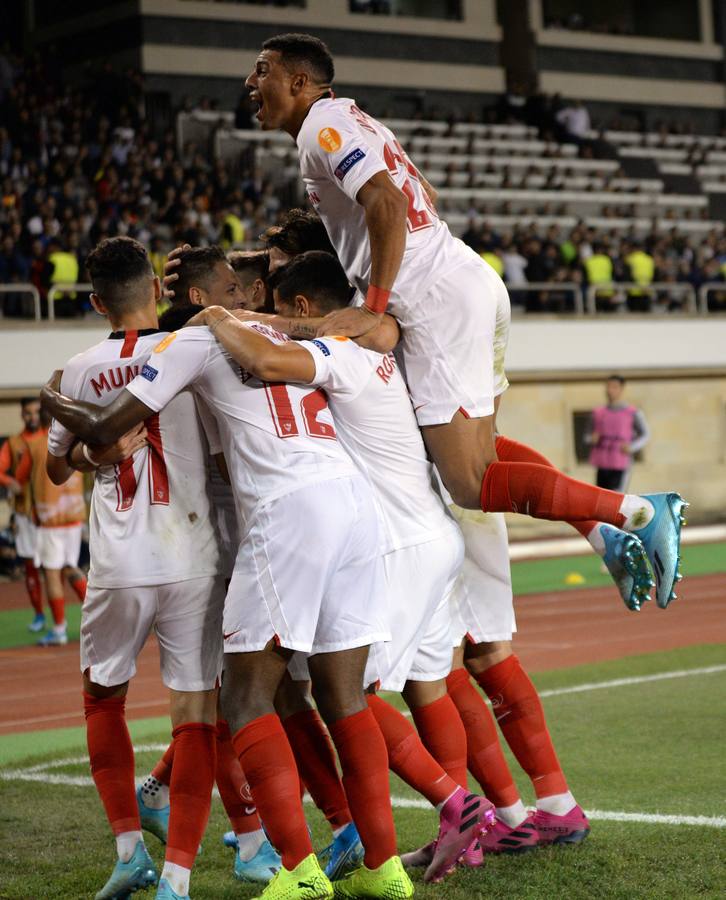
{"x":112,"y":760}
{"x":162,"y":770}
{"x":190,"y":790}
{"x":485,"y":758}
{"x":315,"y":760}
{"x":442,"y":734}
{"x":58,"y":609}
{"x":519,"y":712}
{"x":32,"y":585}
{"x":232,"y":784}
{"x":546,"y":493}
{"x":364,"y":761}
{"x":264,"y":753}
{"x":79,"y":585}
{"x":512,"y":451}
{"x":408,"y":757}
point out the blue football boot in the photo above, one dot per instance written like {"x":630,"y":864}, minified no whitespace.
{"x":627,"y":562}
{"x":128,"y":877}
{"x":155,"y":821}
{"x":38,"y":623}
{"x":166,"y":892}
{"x":261,"y":868}
{"x":661,"y":539}
{"x":344,"y":854}
{"x":229,"y":839}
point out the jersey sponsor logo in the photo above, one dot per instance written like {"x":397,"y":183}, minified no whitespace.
{"x":321,"y":346}
{"x":330,"y":140}
{"x":162,"y":345}
{"x":355,"y":156}
{"x":149,"y":372}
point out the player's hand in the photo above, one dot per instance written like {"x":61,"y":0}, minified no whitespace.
{"x":124,"y":447}
{"x":170,"y":276}
{"x":201,"y":317}
{"x":625,"y":448}
{"x":350,"y":322}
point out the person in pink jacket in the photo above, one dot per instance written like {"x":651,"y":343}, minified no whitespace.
{"x":617,"y":432}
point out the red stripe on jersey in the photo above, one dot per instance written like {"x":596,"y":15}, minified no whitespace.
{"x":129,"y":344}
{"x":281,"y":410}
{"x":158,"y":474}
{"x":125,"y":484}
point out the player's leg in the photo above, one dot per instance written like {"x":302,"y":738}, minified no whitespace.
{"x":26,"y":535}
{"x":77,"y":581}
{"x":114,"y":626}
{"x":58,"y":634}
{"x":622,"y":553}
{"x":188,"y":626}
{"x":519,"y":713}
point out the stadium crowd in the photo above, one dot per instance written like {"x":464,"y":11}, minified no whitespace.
{"x":81,"y":162}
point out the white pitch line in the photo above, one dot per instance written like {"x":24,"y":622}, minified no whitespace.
{"x":636,"y":679}
{"x":396,"y":802}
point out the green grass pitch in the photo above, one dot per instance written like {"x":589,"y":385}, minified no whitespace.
{"x":654,"y":747}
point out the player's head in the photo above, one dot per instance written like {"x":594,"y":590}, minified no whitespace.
{"x":252,"y":268}
{"x":312,"y":284}
{"x":177,"y":316}
{"x":298,"y":232}
{"x":206,"y":279}
{"x":122,"y":277}
{"x":291,"y":72}
{"x":30,"y":413}
{"x":614,"y":387}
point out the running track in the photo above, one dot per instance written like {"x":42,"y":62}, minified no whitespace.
{"x":41,"y":686}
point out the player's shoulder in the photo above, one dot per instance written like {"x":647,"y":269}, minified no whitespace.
{"x":325,"y":121}
{"x":193,"y":335}
{"x":266,"y":330}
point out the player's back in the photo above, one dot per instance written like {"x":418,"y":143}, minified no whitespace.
{"x":376,"y":423}
{"x":150,"y":514}
{"x":341,"y":148}
{"x":277,"y":438}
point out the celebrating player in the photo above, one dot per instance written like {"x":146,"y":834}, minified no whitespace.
{"x":154,"y":566}
{"x":453,"y":310}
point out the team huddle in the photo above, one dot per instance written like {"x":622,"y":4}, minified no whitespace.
{"x":307,"y":416}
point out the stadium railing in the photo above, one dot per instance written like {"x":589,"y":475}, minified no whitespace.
{"x":639,"y":290}
{"x":24,"y":288}
{"x":58,"y":289}
{"x":552,"y":287}
{"x":706,"y":289}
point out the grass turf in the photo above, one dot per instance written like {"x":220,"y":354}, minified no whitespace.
{"x":652,"y":747}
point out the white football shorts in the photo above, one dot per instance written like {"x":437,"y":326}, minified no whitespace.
{"x":26,"y":536}
{"x":453,"y":355}
{"x":185,"y":616}
{"x":420,"y":581}
{"x":56,"y":548}
{"x":309,"y":573}
{"x":483,"y":606}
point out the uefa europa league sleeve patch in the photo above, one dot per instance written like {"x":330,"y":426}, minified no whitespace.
{"x":330,"y":140}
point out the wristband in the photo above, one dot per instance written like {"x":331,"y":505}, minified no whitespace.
{"x":376,"y":299}
{"x":87,"y":453}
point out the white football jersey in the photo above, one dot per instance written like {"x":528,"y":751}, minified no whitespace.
{"x":150,"y":515}
{"x":376,"y":424}
{"x":277,"y":438}
{"x":340,"y":149}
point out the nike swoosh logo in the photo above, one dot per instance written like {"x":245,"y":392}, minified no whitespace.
{"x":250,"y":810}
{"x":226,"y":636}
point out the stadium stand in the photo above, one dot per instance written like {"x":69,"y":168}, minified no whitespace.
{"x":78,"y":164}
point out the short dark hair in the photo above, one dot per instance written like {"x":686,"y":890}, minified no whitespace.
{"x":195,"y":269}
{"x":616,"y":378}
{"x":177,"y":316}
{"x":316,"y":275}
{"x":26,"y":401}
{"x":304,"y":50}
{"x":116,"y":265}
{"x":298,"y":232}
{"x":251,"y":264}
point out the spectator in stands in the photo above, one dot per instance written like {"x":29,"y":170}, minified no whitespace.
{"x":641,"y":267}
{"x":575,"y":121}
{"x":13,"y":268}
{"x":65,"y":271}
{"x":598,"y":268}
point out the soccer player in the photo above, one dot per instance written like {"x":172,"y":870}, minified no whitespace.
{"x":60,"y":511}
{"x":252,"y":268}
{"x":154,"y":567}
{"x":380,"y":215}
{"x":11,"y":453}
{"x":291,"y":479}
{"x":422,"y":545}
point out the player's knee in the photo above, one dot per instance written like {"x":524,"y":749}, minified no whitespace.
{"x":480,"y":657}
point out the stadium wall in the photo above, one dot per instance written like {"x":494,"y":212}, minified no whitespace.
{"x":676,"y":371}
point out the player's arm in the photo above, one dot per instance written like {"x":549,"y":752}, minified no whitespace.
{"x":84,"y":458}
{"x":91,"y":423}
{"x":6,"y":462}
{"x":255,"y":353}
{"x":386,"y":208}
